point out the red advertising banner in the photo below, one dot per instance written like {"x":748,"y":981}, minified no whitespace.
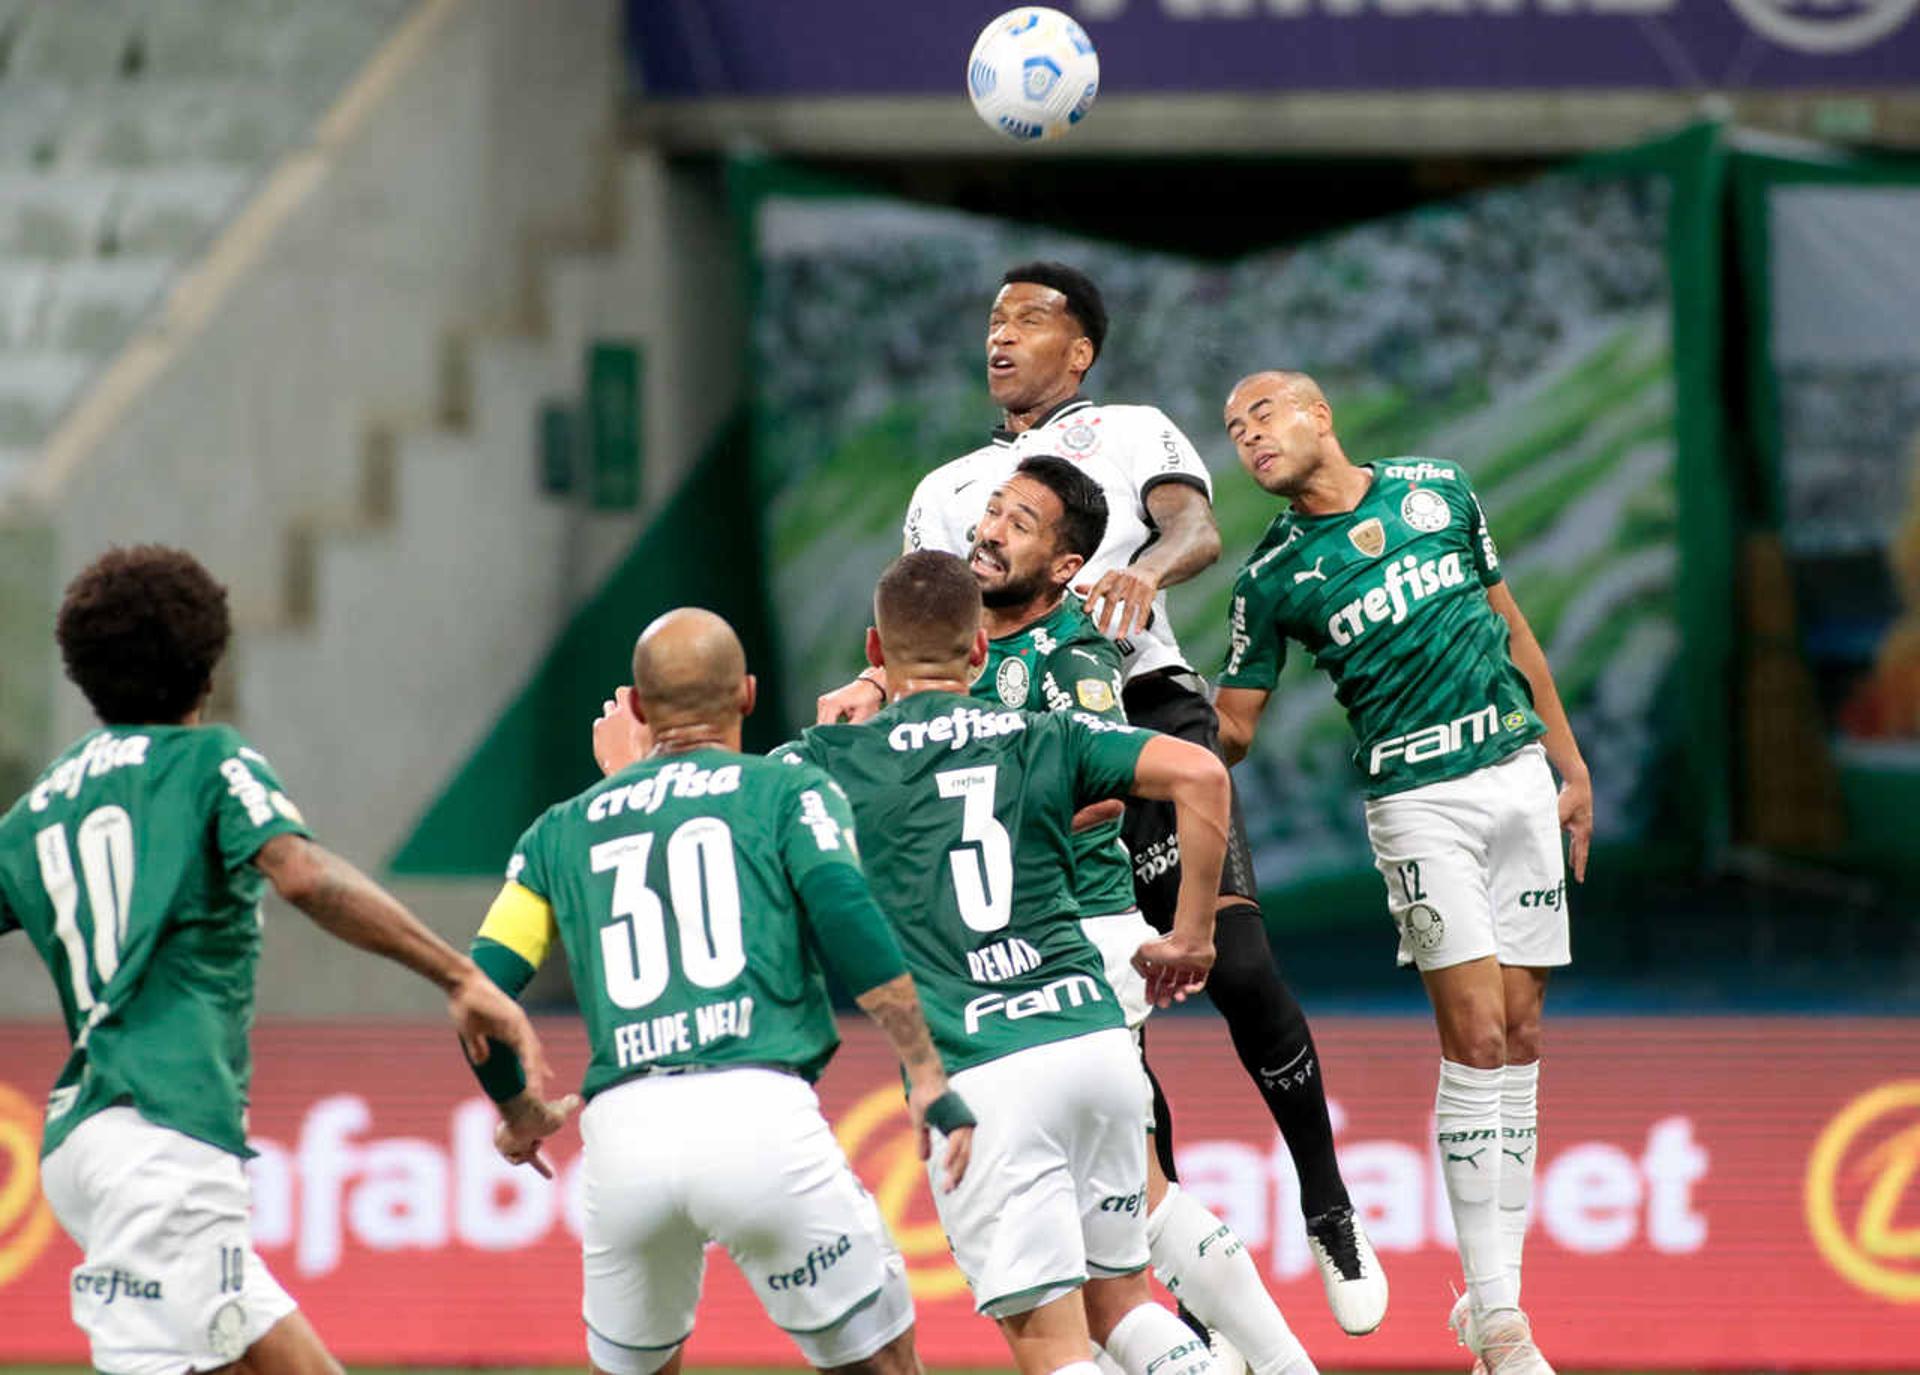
{"x":1712,"y":1193}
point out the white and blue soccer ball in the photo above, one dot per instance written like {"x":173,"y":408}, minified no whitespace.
{"x":1033,"y":73}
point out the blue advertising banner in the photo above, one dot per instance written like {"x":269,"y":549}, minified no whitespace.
{"x":705,"y":49}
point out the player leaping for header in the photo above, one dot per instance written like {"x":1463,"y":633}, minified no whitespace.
{"x":1387,"y":574}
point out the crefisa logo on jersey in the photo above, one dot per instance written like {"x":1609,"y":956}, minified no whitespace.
{"x":1013,"y":681}
{"x":1425,"y":511}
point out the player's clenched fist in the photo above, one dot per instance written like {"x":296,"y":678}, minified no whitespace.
{"x":1174,"y":967}
{"x":854,"y":703}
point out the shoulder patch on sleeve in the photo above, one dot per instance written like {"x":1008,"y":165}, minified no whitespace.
{"x":1095,"y":694}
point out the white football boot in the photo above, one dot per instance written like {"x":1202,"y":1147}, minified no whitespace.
{"x":1356,"y":1285}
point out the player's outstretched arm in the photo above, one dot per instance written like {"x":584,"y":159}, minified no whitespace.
{"x":346,"y":903}
{"x":1189,"y":543}
{"x":1563,"y":751}
{"x":1239,"y":712}
{"x":1190,"y":777}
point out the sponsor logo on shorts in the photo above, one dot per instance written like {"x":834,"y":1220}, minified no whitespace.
{"x":1072,"y":991}
{"x":108,"y":1285}
{"x":1185,"y":1351}
{"x":1130,"y":1204}
{"x":227,"y":1333}
{"x":1431,"y":742}
{"x":1545,"y":897}
{"x":819,"y":1260}
{"x":1425,"y":927}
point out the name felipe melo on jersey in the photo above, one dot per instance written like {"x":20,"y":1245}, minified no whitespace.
{"x":676,"y":1033}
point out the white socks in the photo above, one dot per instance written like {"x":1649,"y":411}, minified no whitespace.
{"x":1152,"y":1339}
{"x":1082,"y":1367}
{"x":1204,"y":1264}
{"x":1466,"y":1112}
{"x":1519,"y":1123}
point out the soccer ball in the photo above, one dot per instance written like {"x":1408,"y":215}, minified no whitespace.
{"x":1033,"y":73}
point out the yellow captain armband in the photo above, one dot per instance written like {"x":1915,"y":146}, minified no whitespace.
{"x":522,"y":921}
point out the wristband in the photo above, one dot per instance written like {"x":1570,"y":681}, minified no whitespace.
{"x":876,"y":685}
{"x":949,"y":1112}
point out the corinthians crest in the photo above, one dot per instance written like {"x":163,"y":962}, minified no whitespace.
{"x":1369,"y":537}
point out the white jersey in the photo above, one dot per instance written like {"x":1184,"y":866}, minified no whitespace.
{"x":1128,"y":450}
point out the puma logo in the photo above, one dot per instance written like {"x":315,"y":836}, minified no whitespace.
{"x":1470,"y":1158}
{"x":1519,"y":1155}
{"x":1309,"y":574}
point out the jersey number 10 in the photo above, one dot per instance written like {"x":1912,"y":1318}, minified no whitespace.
{"x":105,"y":841}
{"x":704,"y":884}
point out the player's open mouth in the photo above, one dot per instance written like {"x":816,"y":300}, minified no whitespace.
{"x":1001,"y":363}
{"x":1264,"y":460}
{"x":987,"y":562}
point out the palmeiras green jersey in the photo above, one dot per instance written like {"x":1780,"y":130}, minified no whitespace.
{"x":1062,"y":662}
{"x":967,"y":813}
{"x":674,"y":887}
{"x":1390,"y":598}
{"x":128,"y":864}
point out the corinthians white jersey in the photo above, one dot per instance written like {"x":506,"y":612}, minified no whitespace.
{"x":1128,"y":450}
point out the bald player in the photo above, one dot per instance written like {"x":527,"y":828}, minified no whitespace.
{"x":699,"y":892}
{"x":1387,"y":574}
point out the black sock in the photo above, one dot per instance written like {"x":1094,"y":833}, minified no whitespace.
{"x":1270,"y":1033}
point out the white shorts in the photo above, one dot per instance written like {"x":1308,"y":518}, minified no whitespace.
{"x":744,"y":1158}
{"x":1117,"y":937}
{"x":169,"y":1279}
{"x":1473,"y":866}
{"x":1056,"y":1189}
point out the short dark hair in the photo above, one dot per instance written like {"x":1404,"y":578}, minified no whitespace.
{"x":140,"y":631}
{"x":1084,"y":523}
{"x":927,"y":607}
{"x":1084,"y":302}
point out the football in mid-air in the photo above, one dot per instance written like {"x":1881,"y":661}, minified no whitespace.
{"x":1033,"y":73}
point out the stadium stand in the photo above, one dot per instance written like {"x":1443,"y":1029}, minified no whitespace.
{"x":129,"y":132}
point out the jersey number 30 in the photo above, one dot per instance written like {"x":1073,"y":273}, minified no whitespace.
{"x":705,"y":888}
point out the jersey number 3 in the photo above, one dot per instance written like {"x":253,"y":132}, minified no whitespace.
{"x":705,"y":888}
{"x":983,"y":867}
{"x":105,"y":841}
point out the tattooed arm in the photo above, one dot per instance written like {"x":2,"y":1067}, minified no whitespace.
{"x":895,"y":1007}
{"x":347,"y":904}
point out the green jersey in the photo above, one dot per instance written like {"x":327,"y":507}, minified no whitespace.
{"x":1061,"y":662}
{"x":128,"y":865}
{"x":968,"y":817}
{"x":1390,"y":598}
{"x":673,"y":886}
